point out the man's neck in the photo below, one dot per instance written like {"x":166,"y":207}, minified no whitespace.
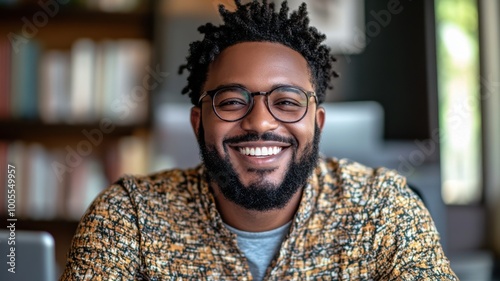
{"x":252,"y":220}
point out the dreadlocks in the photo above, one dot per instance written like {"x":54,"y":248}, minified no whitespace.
{"x":259,"y":22}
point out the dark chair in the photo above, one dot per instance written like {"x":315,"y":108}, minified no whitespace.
{"x":417,"y":191}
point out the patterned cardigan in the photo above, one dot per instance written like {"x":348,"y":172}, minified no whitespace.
{"x":353,"y":223}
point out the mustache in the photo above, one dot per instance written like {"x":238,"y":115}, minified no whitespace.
{"x":267,"y":136}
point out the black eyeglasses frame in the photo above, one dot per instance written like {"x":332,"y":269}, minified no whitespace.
{"x":212,"y":93}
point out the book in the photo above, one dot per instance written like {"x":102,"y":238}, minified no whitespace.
{"x":109,"y":90}
{"x":85,"y":183}
{"x":54,"y":86}
{"x":61,"y":186}
{"x":133,"y":155}
{"x":43,"y":194}
{"x":82,"y":81}
{"x":24,"y":81}
{"x":94,"y":80}
{"x":126,"y":93}
{"x":17,"y":156}
{"x":5,"y":77}
{"x":37,"y":182}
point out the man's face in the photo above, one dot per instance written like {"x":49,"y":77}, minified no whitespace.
{"x":268,"y":181}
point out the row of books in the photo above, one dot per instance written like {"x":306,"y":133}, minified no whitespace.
{"x":55,"y":183}
{"x":94,"y":80}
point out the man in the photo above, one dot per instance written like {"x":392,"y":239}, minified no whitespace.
{"x":263,"y":205}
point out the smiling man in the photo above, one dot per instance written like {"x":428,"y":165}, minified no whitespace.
{"x":259,"y":147}
{"x":263,"y":205}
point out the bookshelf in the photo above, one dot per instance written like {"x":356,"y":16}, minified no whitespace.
{"x":75,"y":86}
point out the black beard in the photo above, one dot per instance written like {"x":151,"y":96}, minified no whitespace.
{"x":259,"y":195}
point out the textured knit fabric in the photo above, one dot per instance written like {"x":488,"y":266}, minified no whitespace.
{"x":260,"y":247}
{"x":353,"y":223}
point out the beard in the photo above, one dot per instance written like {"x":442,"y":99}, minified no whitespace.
{"x":259,"y":195}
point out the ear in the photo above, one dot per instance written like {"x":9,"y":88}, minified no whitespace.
{"x":320,"y":117}
{"x":195,"y":119}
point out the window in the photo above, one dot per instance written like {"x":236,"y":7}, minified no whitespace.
{"x":459,"y":100}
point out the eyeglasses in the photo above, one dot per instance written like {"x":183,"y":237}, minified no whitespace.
{"x":287,"y":104}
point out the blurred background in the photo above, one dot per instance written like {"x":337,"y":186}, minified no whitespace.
{"x":90,"y":90}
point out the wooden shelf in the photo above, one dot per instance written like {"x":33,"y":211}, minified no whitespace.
{"x":30,"y":224}
{"x":36,"y":130}
{"x":72,"y":13}
{"x":71,"y":23}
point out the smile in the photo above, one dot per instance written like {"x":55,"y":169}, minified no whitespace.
{"x":260,"y":151}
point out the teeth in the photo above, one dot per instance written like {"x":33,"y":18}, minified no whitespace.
{"x":260,"y":151}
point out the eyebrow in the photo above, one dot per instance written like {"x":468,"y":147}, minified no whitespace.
{"x":274,"y":86}
{"x":229,"y":85}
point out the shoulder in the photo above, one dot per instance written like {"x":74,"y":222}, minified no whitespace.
{"x":149,"y":193}
{"x":395,"y":224}
{"x":382,"y":193}
{"x":175,"y":182}
{"x":359,"y":182}
{"x":353,"y":173}
{"x":358,"y":187}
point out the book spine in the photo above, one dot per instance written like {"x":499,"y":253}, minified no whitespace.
{"x":5,"y":77}
{"x":24,"y":81}
{"x":82,"y":80}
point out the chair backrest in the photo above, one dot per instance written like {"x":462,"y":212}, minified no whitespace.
{"x":353,"y":130}
{"x":417,"y":192}
{"x":27,"y":255}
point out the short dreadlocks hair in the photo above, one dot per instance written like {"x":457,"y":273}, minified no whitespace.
{"x":256,"y":22}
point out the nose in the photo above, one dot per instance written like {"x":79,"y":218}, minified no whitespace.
{"x":259,"y":120}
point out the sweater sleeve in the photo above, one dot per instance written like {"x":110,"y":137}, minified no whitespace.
{"x":409,"y":246}
{"x":106,"y":243}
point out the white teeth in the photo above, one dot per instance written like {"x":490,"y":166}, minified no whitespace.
{"x":264,"y":151}
{"x":260,"y":151}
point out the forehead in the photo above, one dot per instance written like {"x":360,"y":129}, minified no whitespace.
{"x":259,"y":66}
